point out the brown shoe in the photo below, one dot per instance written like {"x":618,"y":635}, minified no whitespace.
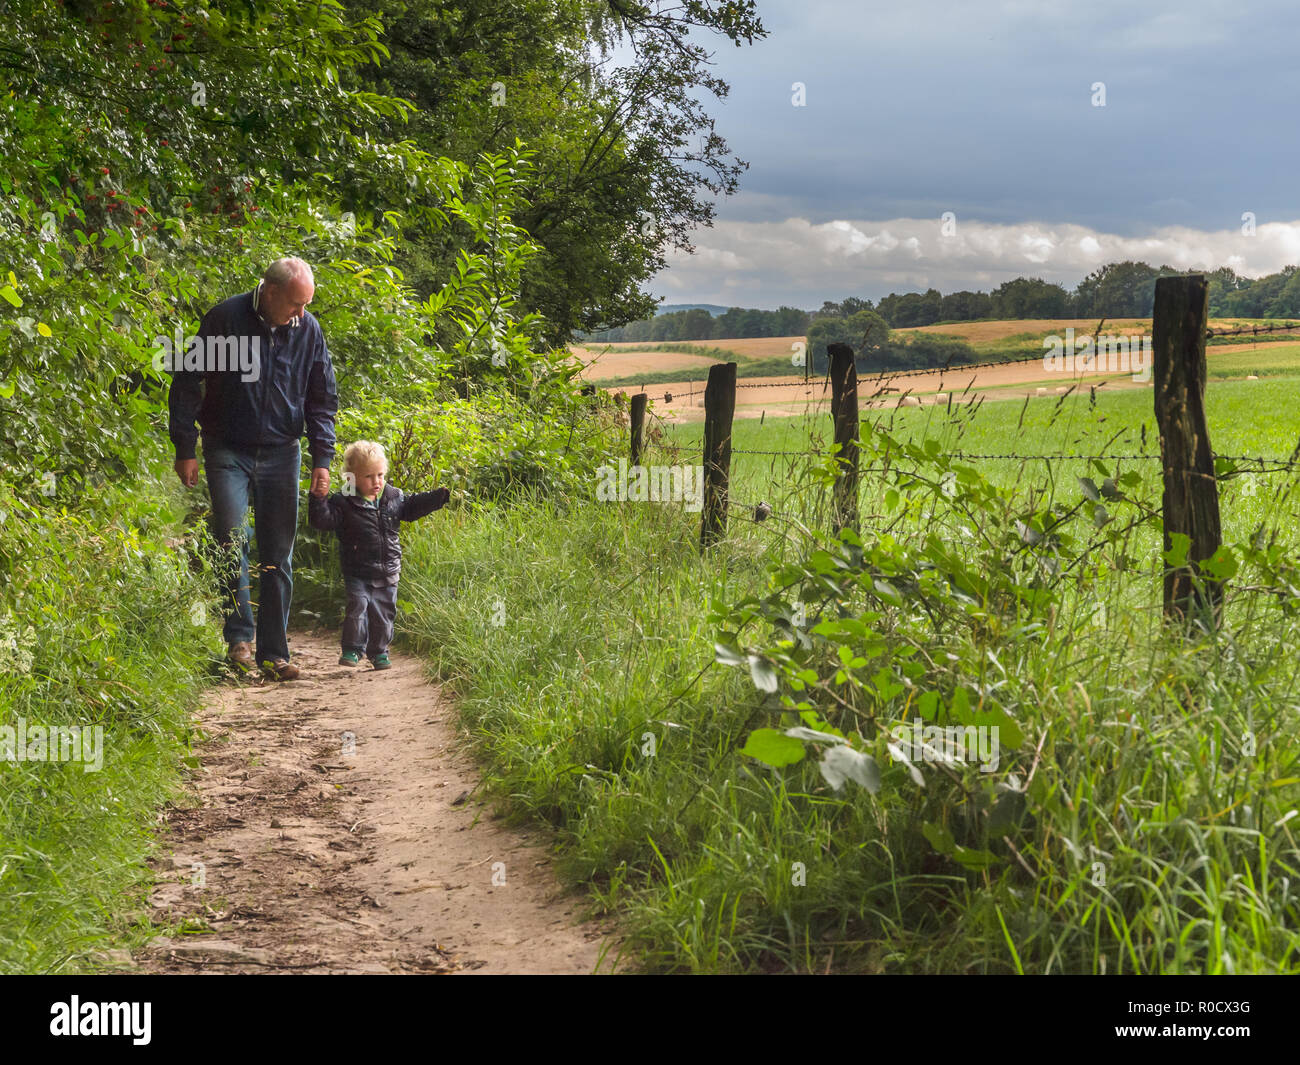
{"x":280,"y":669}
{"x":240,"y":656}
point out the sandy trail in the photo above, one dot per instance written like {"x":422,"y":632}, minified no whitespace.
{"x":338,"y":831}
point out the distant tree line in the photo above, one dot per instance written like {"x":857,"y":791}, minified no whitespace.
{"x":699,"y":324}
{"x":1116,"y":290}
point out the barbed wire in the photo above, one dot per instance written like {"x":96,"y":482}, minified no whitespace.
{"x":1273,"y":464}
{"x":1242,"y":330}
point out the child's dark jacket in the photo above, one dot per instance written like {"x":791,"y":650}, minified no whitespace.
{"x":369,"y":547}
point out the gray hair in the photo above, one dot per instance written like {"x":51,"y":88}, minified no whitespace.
{"x":288,"y":269}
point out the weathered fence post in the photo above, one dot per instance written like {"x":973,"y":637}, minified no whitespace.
{"x":1191,"y":494}
{"x":844,"y":415}
{"x":719,"y":408}
{"x":638,"y":426}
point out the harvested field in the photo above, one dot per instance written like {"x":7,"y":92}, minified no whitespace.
{"x":784,"y":396}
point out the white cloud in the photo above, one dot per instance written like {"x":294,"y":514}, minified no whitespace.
{"x":800,"y":263}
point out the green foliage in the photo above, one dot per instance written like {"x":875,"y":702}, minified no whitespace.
{"x":1113,"y":833}
{"x":105,"y":622}
{"x":156,"y":161}
{"x":627,"y":164}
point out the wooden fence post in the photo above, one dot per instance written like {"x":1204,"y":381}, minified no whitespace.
{"x":638,"y":426}
{"x":1191,"y":494}
{"x":719,"y":408}
{"x":844,"y":416}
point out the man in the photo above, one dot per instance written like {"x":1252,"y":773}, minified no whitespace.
{"x":252,"y":410}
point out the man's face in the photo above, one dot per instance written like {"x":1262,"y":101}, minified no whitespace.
{"x":280,"y":304}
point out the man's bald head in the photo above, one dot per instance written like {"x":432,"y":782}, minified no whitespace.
{"x":287,"y":287}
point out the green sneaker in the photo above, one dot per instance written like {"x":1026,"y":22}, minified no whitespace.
{"x":381,"y":661}
{"x":349,"y":658}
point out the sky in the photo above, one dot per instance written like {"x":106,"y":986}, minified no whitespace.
{"x":989,"y":111}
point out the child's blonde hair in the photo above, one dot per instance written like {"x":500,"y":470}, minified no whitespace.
{"x":364,"y":454}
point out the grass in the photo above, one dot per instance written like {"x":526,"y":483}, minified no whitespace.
{"x":98,"y":616}
{"x":1156,"y":843}
{"x":1157,"y":777}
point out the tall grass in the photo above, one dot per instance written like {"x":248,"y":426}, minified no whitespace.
{"x":105,"y":625}
{"x":1151,"y":827}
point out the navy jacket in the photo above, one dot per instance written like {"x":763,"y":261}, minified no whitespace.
{"x":293,"y":389}
{"x":368,"y":543}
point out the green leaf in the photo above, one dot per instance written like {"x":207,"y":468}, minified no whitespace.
{"x":1028,"y":535}
{"x":773,"y":748}
{"x":43,"y":329}
{"x":763,"y":675}
{"x":1006,"y":813}
{"x":1090,"y":489}
{"x":960,"y":707}
{"x":726,"y":655}
{"x":9,"y":295}
{"x":974,"y":859}
{"x":1180,"y":544}
{"x":888,"y":592}
{"x":940,"y":838}
{"x":1222,"y":565}
{"x":841,"y":763}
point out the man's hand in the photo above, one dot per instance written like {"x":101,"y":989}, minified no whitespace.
{"x":188,"y":471}
{"x":320,"y":481}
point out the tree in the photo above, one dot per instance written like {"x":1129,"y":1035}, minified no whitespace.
{"x":866,"y":332}
{"x":911,"y":309}
{"x":696,"y":324}
{"x":791,"y":322}
{"x":965,"y":306}
{"x":1119,"y":290}
{"x":1029,"y":298}
{"x":628,"y":161}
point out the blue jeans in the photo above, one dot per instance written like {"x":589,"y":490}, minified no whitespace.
{"x":368,"y":624}
{"x":270,"y":476}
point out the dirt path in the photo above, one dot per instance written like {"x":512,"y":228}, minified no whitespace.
{"x":338,"y":832}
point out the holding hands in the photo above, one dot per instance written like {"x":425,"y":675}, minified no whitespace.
{"x":320,"y":481}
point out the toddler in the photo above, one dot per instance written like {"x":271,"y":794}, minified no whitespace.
{"x":366,"y":515}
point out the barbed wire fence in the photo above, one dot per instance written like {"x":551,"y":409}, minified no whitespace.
{"x":1191,"y":470}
